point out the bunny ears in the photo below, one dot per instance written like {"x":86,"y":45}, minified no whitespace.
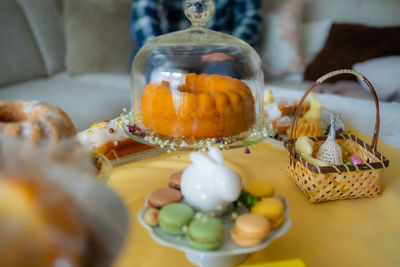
{"x":214,"y":157}
{"x":332,"y":130}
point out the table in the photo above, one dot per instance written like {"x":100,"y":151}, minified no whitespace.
{"x":361,"y":232}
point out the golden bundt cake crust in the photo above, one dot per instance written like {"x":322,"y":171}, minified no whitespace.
{"x":35,"y":121}
{"x":205,"y":106}
{"x":307,"y":127}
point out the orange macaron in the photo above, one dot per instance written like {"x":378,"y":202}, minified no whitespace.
{"x":250,"y":229}
{"x":175,"y":180}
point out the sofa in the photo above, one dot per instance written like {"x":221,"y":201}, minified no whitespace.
{"x":76,"y":53}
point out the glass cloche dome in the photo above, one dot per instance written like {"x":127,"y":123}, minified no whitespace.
{"x":197,"y":87}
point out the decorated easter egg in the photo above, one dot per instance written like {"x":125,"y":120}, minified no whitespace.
{"x":304,"y":145}
{"x":355,"y":160}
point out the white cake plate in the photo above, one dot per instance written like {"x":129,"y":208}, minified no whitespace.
{"x":228,"y":254}
{"x":257,"y":133}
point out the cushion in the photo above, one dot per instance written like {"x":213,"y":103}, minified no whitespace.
{"x":281,"y":51}
{"x":32,"y":40}
{"x":44,"y":19}
{"x":348,"y":44}
{"x":313,"y":36}
{"x":59,"y":4}
{"x":368,"y":12}
{"x":384,"y":75}
{"x":98,"y":36}
{"x":20,"y":59}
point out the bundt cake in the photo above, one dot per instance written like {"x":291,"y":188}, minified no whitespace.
{"x":307,"y":127}
{"x":204,"y":106}
{"x":35,"y":121}
{"x":40,"y":225}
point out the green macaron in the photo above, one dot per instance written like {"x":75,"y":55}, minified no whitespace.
{"x":174,"y":217}
{"x":205,"y":233}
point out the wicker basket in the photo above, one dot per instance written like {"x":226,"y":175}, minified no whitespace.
{"x":322,"y":183}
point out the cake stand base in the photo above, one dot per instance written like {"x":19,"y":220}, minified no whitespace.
{"x":206,"y":260}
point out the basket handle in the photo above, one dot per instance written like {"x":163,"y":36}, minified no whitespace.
{"x":326,"y":77}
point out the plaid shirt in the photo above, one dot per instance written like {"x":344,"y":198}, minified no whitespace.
{"x":151,"y":18}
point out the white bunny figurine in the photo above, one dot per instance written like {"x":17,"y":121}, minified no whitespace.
{"x":330,"y":151}
{"x":207,"y":184}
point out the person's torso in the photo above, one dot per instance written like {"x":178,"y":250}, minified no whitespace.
{"x":173,"y":18}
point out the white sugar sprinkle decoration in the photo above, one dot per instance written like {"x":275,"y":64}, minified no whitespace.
{"x":260,"y":130}
{"x":198,"y":215}
{"x":234,"y":215}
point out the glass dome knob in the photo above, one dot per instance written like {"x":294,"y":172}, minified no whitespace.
{"x":199,"y":12}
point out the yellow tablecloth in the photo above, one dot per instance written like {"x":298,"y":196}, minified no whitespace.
{"x":361,"y":232}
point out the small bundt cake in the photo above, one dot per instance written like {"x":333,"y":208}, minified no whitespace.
{"x":35,"y":121}
{"x":205,"y":106}
{"x":307,"y":127}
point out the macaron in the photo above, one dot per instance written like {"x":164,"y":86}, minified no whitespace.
{"x":150,"y":216}
{"x":173,"y":218}
{"x":205,"y":233}
{"x":175,"y":180}
{"x":250,"y":229}
{"x":164,"y":196}
{"x":259,"y":188}
{"x":276,"y":223}
{"x":272,"y":209}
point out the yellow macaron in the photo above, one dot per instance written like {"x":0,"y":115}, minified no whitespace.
{"x":150,"y":216}
{"x":250,"y":229}
{"x":272,"y":209}
{"x":259,"y":188}
{"x":276,"y":223}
